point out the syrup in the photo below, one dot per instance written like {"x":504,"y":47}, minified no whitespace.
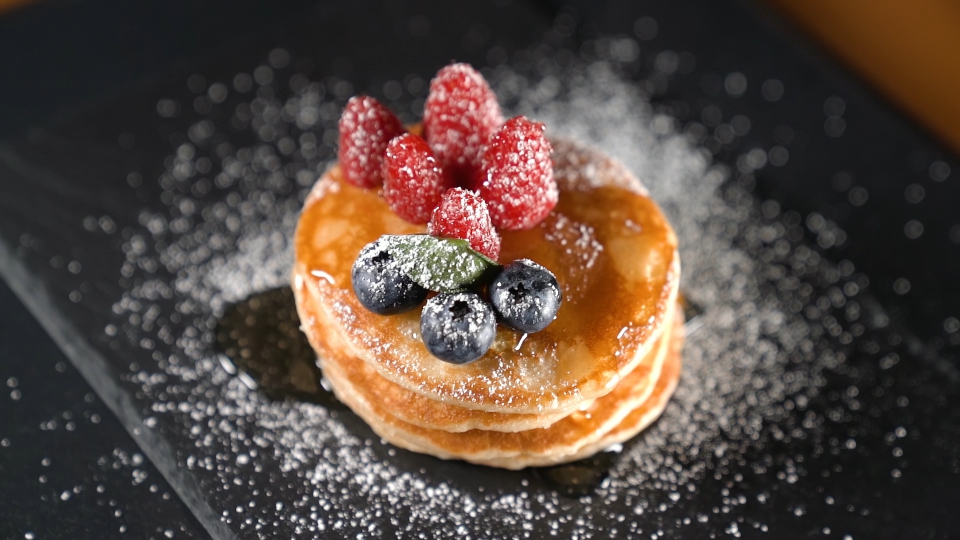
{"x":578,"y":478}
{"x":262,"y":336}
{"x":610,"y":247}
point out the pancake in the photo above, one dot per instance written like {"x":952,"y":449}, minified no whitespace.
{"x":410,"y":406}
{"x":635,"y":402}
{"x":638,"y":420}
{"x":613,"y":253}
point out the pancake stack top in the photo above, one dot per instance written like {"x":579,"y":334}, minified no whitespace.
{"x":608,"y":359}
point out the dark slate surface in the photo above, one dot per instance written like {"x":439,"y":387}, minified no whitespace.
{"x":69,"y":469}
{"x":838,"y":150}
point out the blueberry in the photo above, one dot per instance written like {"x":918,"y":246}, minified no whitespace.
{"x":526,"y":296}
{"x":458,"y":327}
{"x":380,"y":284}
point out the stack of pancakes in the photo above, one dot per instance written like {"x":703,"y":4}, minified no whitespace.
{"x":599,"y":374}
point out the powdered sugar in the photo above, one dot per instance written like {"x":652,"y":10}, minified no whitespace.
{"x":462,"y":214}
{"x":770,"y":306}
{"x":458,"y":327}
{"x":366,"y":126}
{"x":518,"y":182}
{"x":380,"y":282}
{"x":459,"y":116}
{"x":526,"y":296}
{"x":438,"y":264}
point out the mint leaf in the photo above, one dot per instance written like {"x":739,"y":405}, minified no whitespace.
{"x":438,"y":264}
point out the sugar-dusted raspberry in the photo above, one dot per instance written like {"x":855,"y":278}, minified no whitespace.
{"x":460,"y":114}
{"x":366,"y":126}
{"x":463,"y":214}
{"x":517,"y":175}
{"x":413,"y":182}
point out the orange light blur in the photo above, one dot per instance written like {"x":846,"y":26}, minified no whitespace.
{"x":909,"y":50}
{"x":10,"y":4}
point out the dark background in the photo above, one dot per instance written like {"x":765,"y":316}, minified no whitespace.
{"x":66,"y":59}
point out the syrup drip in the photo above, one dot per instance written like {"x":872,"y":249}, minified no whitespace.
{"x":578,"y":478}
{"x":691,"y":314}
{"x":262,"y":336}
{"x":586,"y":476}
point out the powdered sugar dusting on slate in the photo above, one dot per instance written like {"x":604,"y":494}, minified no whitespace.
{"x":768,"y":301}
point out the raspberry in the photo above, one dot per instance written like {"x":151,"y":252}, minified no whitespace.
{"x":413,"y":180}
{"x":460,"y":114}
{"x":517,"y":175}
{"x":366,"y":126}
{"x":462,"y":214}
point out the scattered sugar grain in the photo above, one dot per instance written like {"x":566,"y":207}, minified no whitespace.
{"x":757,"y":347}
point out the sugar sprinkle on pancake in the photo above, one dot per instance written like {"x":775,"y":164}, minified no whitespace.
{"x":617,"y":265}
{"x":531,"y":447}
{"x":510,"y":306}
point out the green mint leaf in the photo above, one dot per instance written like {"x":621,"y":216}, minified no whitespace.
{"x":438,"y":264}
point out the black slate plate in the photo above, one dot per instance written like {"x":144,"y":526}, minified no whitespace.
{"x":142,"y":232}
{"x":70,"y":469}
